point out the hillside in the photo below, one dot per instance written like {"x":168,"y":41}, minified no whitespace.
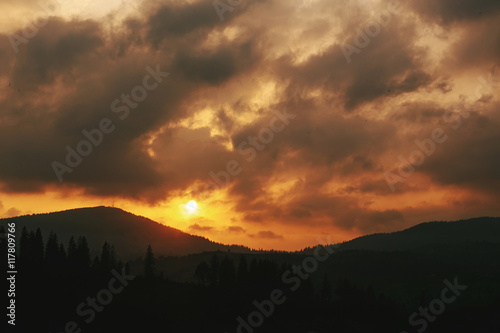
{"x":482,"y":229}
{"x":129,"y":233}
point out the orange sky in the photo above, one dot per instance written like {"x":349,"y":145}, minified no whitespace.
{"x":368,"y":86}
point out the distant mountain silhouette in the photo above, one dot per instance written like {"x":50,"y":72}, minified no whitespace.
{"x":129,"y":233}
{"x":424,"y":235}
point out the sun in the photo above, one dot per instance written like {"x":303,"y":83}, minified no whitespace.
{"x":191,"y":207}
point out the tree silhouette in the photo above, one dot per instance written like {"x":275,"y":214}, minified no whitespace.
{"x":214,"y":270}
{"x":227,"y":272}
{"x":96,"y":264}
{"x":62,"y":254}
{"x":72,"y":252}
{"x":242,"y":273}
{"x":25,"y":251}
{"x":106,"y":262}
{"x":201,"y":273}
{"x":326,"y":289}
{"x":38,"y":249}
{"x":52,"y":255}
{"x":149,"y":264}
{"x":83,"y":253}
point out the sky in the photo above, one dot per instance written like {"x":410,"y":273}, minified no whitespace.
{"x":288,"y":123}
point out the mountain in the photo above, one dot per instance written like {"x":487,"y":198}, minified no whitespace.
{"x":129,"y":233}
{"x":437,"y":233}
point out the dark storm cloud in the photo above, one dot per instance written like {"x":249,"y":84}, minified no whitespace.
{"x":419,"y":113}
{"x":56,"y":50}
{"x":333,"y":143}
{"x":449,"y":11}
{"x":388,"y":66}
{"x":350,"y":116}
{"x":342,"y":212}
{"x":80,"y":61}
{"x":216,"y":67}
{"x":7,"y":55}
{"x":186,"y":155}
{"x":179,"y":19}
{"x":471,"y":155}
{"x":478,"y":46}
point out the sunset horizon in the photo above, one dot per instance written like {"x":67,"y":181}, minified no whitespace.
{"x":325,"y":239}
{"x":278,"y":126}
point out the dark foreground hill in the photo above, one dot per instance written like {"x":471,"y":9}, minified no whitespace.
{"x":129,"y":233}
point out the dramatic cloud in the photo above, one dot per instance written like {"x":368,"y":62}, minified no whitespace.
{"x":284,"y":116}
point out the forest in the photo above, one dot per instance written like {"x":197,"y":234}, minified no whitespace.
{"x":61,"y":288}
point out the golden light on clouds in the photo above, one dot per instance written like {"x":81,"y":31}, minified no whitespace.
{"x":364,"y":89}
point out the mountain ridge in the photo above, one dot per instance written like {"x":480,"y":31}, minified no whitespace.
{"x":477,"y":229}
{"x":129,"y":233}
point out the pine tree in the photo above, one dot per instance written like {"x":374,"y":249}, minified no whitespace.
{"x":106,"y":260}
{"x":227,"y":272}
{"x":326,"y":289}
{"x":214,"y":269}
{"x":252,"y":271}
{"x":96,"y":264}
{"x":38,"y":248}
{"x":62,"y":255}
{"x":52,"y":253}
{"x":72,"y":252}
{"x":149,"y":264}
{"x":25,"y":249}
{"x":201,"y":272}
{"x":242,"y":273}
{"x":83,"y":253}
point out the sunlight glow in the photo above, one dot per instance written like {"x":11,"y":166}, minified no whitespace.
{"x":191,"y":207}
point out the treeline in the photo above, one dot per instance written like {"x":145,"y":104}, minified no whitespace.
{"x":231,"y":289}
{"x":53,"y":278}
{"x":53,"y":258}
{"x":230,"y":294}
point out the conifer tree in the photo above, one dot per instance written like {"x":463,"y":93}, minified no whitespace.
{"x":242,"y":273}
{"x":83,"y":253}
{"x":149,"y":263}
{"x":201,"y":273}
{"x":227,"y":272}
